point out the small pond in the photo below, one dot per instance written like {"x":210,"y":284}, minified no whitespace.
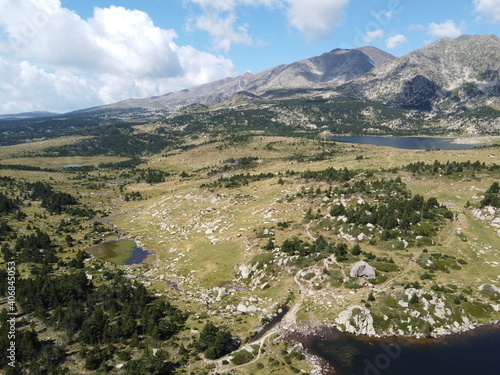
{"x":122,"y":252}
{"x":272,"y":323}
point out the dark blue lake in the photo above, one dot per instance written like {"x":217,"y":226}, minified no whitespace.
{"x":412,"y":143}
{"x":474,"y":352}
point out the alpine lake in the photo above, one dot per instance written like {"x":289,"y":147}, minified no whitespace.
{"x":409,"y":143}
{"x":473,"y":352}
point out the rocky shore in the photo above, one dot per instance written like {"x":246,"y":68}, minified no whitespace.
{"x":484,"y":141}
{"x":309,"y":333}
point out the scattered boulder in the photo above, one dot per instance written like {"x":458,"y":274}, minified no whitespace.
{"x":403,"y":304}
{"x":246,"y":308}
{"x":221,"y":292}
{"x":489,"y":289}
{"x":247,"y":269}
{"x":363,"y":269}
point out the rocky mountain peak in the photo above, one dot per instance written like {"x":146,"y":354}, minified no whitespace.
{"x":463,"y":37}
{"x":377,"y":56}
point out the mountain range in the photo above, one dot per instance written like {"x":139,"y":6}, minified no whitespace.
{"x":448,"y":75}
{"x":452,"y":85}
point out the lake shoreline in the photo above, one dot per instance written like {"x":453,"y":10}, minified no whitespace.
{"x":412,"y":142}
{"x":319,"y":329}
{"x":309,"y":334}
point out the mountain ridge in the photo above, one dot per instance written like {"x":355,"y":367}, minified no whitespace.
{"x":429,"y":78}
{"x":337,"y":66}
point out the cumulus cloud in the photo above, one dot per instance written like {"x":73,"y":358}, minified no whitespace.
{"x":445,"y":29}
{"x":489,"y":8}
{"x":312,"y":18}
{"x":395,"y":41}
{"x":315,"y":18}
{"x":223,"y":31}
{"x":373,"y":35}
{"x":27,"y":87}
{"x":219,"y":20}
{"x":117,"y":54}
{"x":227,"y":5}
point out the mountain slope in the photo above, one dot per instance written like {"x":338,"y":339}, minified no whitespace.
{"x":331,"y":68}
{"x":458,"y":70}
{"x":450,"y":75}
{"x":337,"y":66}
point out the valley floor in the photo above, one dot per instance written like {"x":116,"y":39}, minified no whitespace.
{"x":240,"y":229}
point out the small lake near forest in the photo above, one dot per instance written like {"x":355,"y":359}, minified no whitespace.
{"x":122,"y":252}
{"x":473,"y":352}
{"x":410,"y":143}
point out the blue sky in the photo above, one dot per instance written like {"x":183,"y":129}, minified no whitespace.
{"x":62,"y":55}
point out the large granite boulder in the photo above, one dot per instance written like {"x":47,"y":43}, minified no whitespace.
{"x":363,"y":269}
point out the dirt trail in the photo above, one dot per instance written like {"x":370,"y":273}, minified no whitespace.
{"x":406,"y":270}
{"x":458,"y":220}
{"x":288,"y":320}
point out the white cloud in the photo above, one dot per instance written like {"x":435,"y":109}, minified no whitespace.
{"x":313,"y":18}
{"x":417,"y":26}
{"x":395,"y":41}
{"x":223,"y":31}
{"x":217,"y":5}
{"x":373,"y":35}
{"x":383,"y":17}
{"x":445,"y":29}
{"x":489,"y":8}
{"x":26,"y":87}
{"x":219,"y":20}
{"x":68,"y":63}
{"x":227,"y":5}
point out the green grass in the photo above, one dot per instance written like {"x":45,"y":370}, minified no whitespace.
{"x":60,"y":162}
{"x":178,"y":220}
{"x":264,"y":258}
{"x":20,"y":149}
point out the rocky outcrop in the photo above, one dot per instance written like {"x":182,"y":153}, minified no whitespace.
{"x":356,"y":319}
{"x":490,"y":289}
{"x":417,"y":93}
{"x":490,"y":215}
{"x":363,"y":269}
{"x":444,"y":73}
